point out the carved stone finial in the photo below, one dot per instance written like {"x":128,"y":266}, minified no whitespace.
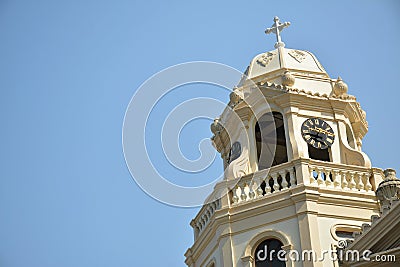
{"x":276,"y":28}
{"x":340,"y":88}
{"x":389,"y":189}
{"x":216,"y":127}
{"x":235,"y":98}
{"x":288,"y":79}
{"x":390,"y":174}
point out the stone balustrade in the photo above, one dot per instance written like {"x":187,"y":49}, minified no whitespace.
{"x":340,"y":176}
{"x":203,"y":218}
{"x":263,"y":183}
{"x":309,"y":172}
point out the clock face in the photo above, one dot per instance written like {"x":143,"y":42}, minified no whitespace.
{"x":318,"y":133}
{"x":235,"y":152}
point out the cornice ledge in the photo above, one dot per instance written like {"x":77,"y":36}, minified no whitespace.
{"x":308,"y":193}
{"x":381,"y":227}
{"x":273,"y":200}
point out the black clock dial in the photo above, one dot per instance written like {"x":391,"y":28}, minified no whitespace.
{"x":318,"y":133}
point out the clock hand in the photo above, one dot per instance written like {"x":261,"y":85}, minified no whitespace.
{"x":319,"y":130}
{"x":323,"y":131}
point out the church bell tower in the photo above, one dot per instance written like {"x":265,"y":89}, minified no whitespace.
{"x":296,"y":178}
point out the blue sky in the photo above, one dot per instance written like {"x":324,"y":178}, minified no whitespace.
{"x":68,"y":70}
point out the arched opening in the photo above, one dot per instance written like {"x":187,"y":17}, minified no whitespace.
{"x":269,"y":253}
{"x":319,"y":154}
{"x":270,"y":140}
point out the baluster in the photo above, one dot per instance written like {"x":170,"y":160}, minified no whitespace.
{"x":276,"y":185}
{"x":243,"y":196}
{"x":197,"y":231}
{"x":319,"y":178}
{"x":259,"y":189}
{"x":328,"y":181}
{"x":205,"y":216}
{"x":360,"y":184}
{"x":210,"y":212}
{"x":202,"y":223}
{"x":235,"y":197}
{"x":267,"y":187}
{"x":352,"y":184}
{"x":284,"y":182}
{"x":211,"y":207}
{"x":312,"y":178}
{"x":198,"y":225}
{"x":252,"y":194}
{"x":336,"y":180}
{"x":215,"y":205}
{"x":368,"y":185}
{"x":292,"y":178}
{"x":344,"y":180}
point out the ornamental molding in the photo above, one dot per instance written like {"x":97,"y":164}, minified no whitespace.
{"x":265,"y":58}
{"x":236,"y":97}
{"x":299,"y":56}
{"x":221,"y":141}
{"x":301,"y":74}
{"x":358,"y":114}
{"x":274,"y":86}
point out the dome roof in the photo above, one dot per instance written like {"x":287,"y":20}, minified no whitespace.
{"x":284,"y":58}
{"x":301,"y":66}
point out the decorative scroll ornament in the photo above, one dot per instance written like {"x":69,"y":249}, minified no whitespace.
{"x":235,"y":98}
{"x":265,"y":58}
{"x":299,"y":56}
{"x":240,"y":167}
{"x":216,"y":127}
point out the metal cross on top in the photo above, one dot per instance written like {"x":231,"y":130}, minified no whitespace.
{"x":276,"y":28}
